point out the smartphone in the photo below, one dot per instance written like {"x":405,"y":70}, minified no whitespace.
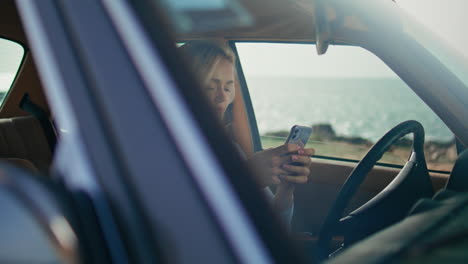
{"x":299,"y":135}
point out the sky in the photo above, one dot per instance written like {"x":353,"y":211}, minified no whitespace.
{"x":445,"y":18}
{"x":301,"y":60}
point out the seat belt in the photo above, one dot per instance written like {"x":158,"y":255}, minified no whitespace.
{"x":29,"y":106}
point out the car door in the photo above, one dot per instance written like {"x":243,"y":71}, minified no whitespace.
{"x":132,"y":152}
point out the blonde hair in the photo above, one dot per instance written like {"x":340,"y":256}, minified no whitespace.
{"x":205,"y":55}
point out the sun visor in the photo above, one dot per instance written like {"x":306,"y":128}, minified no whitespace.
{"x":194,"y":16}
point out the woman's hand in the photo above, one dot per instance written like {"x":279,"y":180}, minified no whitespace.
{"x":298,"y":167}
{"x":286,"y":164}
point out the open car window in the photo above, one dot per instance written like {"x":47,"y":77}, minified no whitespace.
{"x":11,"y":55}
{"x":348,"y":96}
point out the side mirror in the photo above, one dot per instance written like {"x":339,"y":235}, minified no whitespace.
{"x":34,"y":227}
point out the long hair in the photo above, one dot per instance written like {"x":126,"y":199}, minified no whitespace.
{"x":204,"y":57}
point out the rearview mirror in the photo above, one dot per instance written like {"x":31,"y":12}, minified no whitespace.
{"x":322,"y":28}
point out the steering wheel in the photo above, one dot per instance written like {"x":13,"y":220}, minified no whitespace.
{"x":392,"y":203}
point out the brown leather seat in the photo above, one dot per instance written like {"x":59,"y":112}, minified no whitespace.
{"x":22,"y":140}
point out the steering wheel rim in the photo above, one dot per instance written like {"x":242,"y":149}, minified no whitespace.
{"x":359,"y":173}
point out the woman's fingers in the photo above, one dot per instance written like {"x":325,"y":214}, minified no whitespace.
{"x":294,"y":179}
{"x":279,"y":171}
{"x":300,"y":160}
{"x":286,"y":149}
{"x":278,"y":161}
{"x":306,"y":152}
{"x":296,"y":170}
{"x":305,"y":160}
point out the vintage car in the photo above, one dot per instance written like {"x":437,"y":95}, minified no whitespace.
{"x":109,"y":154}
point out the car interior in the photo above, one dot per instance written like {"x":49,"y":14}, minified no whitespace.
{"x":328,"y":175}
{"x":27,"y":138}
{"x":376,"y":197}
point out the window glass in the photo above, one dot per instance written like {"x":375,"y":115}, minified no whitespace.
{"x":11,"y":55}
{"x":348,"y":96}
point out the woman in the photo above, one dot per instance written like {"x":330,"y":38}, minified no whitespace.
{"x":214,"y":64}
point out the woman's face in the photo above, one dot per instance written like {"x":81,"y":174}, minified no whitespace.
{"x":220,"y":87}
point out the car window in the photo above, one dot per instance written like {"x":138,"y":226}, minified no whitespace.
{"x":11,"y":55}
{"x":348,"y":96}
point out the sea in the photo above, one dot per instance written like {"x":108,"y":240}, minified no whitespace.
{"x":354,"y":107}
